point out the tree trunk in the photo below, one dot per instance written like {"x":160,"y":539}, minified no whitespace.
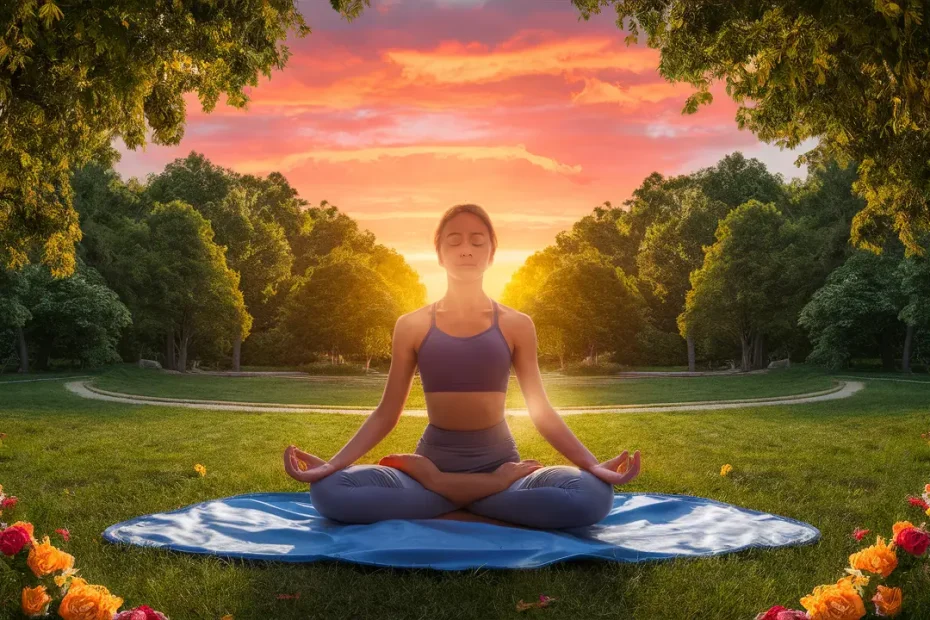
{"x":747,"y":353}
{"x":691,"y":365}
{"x":182,"y":355}
{"x":887,"y":353}
{"x":169,"y":351}
{"x":23,"y":350}
{"x":237,"y":350}
{"x":906,"y":358}
{"x":367,"y":363}
{"x":758,"y":351}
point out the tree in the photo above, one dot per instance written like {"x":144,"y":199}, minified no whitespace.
{"x":856,"y":311}
{"x":746,"y":288}
{"x":595,"y":305}
{"x":336,"y":304}
{"x":77,"y":317}
{"x":14,"y":314}
{"x":74,"y":78}
{"x":198,"y":293}
{"x":914,"y":276}
{"x":852,"y":74}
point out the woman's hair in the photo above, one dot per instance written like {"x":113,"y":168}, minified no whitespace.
{"x":469,"y":208}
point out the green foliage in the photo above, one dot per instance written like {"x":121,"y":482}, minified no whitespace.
{"x":75,"y":76}
{"x":850,"y":73}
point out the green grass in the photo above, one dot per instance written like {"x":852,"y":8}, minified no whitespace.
{"x":836,"y":464}
{"x":367,"y":391}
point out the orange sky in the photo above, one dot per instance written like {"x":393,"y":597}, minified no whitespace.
{"x":417,"y":105}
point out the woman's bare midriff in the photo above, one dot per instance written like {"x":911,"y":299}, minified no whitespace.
{"x":465,"y":411}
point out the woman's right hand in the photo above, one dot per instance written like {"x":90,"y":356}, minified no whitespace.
{"x":316,"y":468}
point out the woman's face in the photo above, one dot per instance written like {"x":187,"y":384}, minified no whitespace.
{"x":465,"y":246}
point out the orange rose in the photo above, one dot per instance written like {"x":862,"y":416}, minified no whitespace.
{"x":45,"y":559}
{"x":900,"y":525}
{"x":887,"y":601}
{"x":27,"y":527}
{"x":35,"y":601}
{"x":878,"y":558}
{"x":838,"y":601}
{"x":88,"y":602}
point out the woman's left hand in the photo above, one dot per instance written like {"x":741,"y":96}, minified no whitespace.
{"x":608,"y":470}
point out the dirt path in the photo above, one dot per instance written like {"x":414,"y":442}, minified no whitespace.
{"x":843,"y":389}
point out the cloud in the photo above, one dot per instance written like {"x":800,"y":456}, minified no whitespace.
{"x":369,"y":155}
{"x":596,"y":91}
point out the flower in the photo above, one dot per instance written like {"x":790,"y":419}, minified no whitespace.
{"x":35,"y":601}
{"x":64,"y":533}
{"x":65,"y":576}
{"x":859,"y":533}
{"x":900,"y":525}
{"x":28,"y":527}
{"x":13,"y":539}
{"x":887,"y":601}
{"x":227,"y":617}
{"x":726,"y":469}
{"x":878,"y":558}
{"x":913,"y":540}
{"x":916,"y":501}
{"x":778,"y":612}
{"x":838,"y":601}
{"x":856,"y":579}
{"x":88,"y":602}
{"x":142,"y":612}
{"x":200,"y":469}
{"x":45,"y":559}
{"x":544,"y":601}
{"x":9,"y":502}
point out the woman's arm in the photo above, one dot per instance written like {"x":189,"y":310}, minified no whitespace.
{"x":618,"y":470}
{"x":386,"y":415}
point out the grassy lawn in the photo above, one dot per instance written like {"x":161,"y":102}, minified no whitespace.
{"x":366,"y":391}
{"x":837,"y":465}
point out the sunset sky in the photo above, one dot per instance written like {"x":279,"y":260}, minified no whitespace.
{"x":417,"y":105}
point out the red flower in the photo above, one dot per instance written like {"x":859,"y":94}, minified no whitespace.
{"x":10,"y":502}
{"x":778,"y":612}
{"x":142,"y":612}
{"x":13,"y":539}
{"x":916,"y":501}
{"x":64,"y":533}
{"x":859,"y":533}
{"x":912,"y":540}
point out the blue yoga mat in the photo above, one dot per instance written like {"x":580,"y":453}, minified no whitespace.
{"x":285,"y":527}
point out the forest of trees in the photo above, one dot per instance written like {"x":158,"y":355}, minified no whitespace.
{"x":725,"y":265}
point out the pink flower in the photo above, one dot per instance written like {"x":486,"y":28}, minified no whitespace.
{"x":142,"y":612}
{"x":916,"y":501}
{"x":912,"y":540}
{"x":13,"y":539}
{"x":64,"y":533}
{"x":859,"y":533}
{"x":9,"y":502}
{"x":778,"y":612}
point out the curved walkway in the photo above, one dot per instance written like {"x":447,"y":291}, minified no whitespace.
{"x":842,"y":389}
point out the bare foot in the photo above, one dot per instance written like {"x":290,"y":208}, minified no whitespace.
{"x":511,"y":472}
{"x":416,"y":466}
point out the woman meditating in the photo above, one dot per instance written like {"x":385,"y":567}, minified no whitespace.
{"x":466,"y":465}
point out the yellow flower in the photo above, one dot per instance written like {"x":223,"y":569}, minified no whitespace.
{"x":928,"y":512}
{"x":66,"y":574}
{"x":726,"y":469}
{"x":88,"y":602}
{"x":838,"y":601}
{"x":227,"y":617}
{"x":45,"y":559}
{"x":887,"y":601}
{"x":200,"y":469}
{"x":856,"y":579}
{"x":878,"y":558}
{"x":35,"y":601}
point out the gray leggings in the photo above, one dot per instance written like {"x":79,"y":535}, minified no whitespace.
{"x":551,"y":497}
